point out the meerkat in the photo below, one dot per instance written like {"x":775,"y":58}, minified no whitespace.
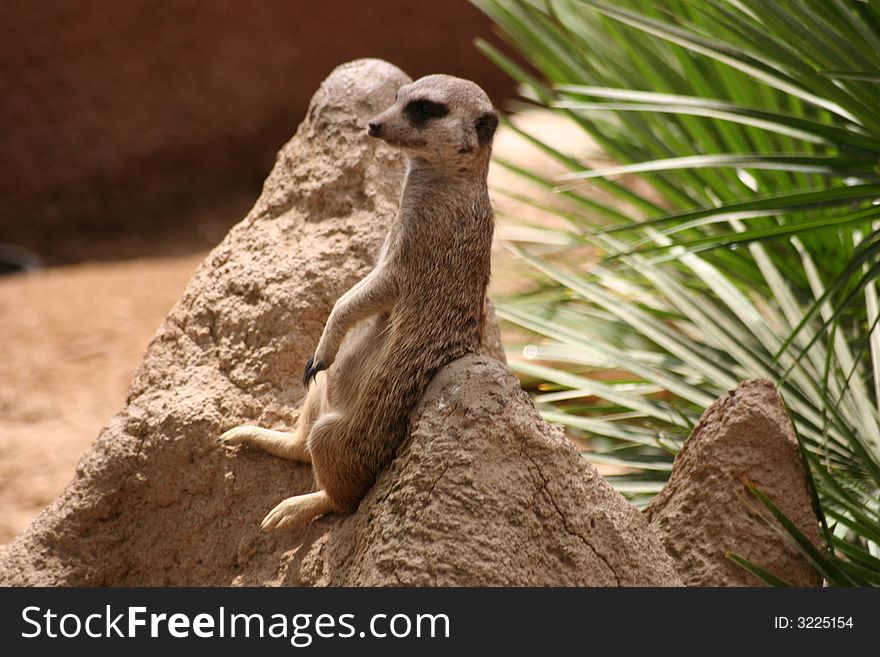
{"x":421,"y":307}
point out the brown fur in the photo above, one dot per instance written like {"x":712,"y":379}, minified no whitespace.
{"x":420,"y":308}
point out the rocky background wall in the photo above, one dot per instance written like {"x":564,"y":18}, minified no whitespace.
{"x":146,"y":127}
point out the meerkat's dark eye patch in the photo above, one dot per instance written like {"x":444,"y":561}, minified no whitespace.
{"x":422,"y":110}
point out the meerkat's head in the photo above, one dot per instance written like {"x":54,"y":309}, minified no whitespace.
{"x":439,"y":118}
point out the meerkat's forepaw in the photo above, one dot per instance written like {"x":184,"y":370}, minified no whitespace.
{"x":297,"y":511}
{"x":311,"y":371}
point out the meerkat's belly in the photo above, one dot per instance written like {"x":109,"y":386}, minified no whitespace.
{"x":359,"y":358}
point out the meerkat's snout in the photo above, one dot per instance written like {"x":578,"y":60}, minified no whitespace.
{"x":374,"y":129}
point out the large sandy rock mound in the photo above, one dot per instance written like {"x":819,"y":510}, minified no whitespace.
{"x":486,"y":493}
{"x":705,"y":509}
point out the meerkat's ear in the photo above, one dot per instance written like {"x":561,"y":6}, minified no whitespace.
{"x":485,"y":126}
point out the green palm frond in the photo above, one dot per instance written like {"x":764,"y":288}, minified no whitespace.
{"x":749,"y":247}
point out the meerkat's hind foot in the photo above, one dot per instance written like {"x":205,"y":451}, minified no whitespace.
{"x":298,"y":511}
{"x":278,"y":443}
{"x":237,"y":436}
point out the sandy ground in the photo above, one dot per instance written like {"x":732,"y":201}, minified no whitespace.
{"x":71,"y":338}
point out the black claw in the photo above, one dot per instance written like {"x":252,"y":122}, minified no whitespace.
{"x":311,"y":371}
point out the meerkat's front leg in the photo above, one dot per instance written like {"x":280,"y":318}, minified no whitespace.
{"x":372,"y":295}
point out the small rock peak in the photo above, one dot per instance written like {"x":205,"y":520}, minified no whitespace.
{"x":704,"y":511}
{"x":357,"y":90}
{"x":330,"y":167}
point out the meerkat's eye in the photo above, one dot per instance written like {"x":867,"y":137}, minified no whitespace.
{"x":421,"y":110}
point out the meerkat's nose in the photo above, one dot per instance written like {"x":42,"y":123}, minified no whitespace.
{"x":375,"y":129}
